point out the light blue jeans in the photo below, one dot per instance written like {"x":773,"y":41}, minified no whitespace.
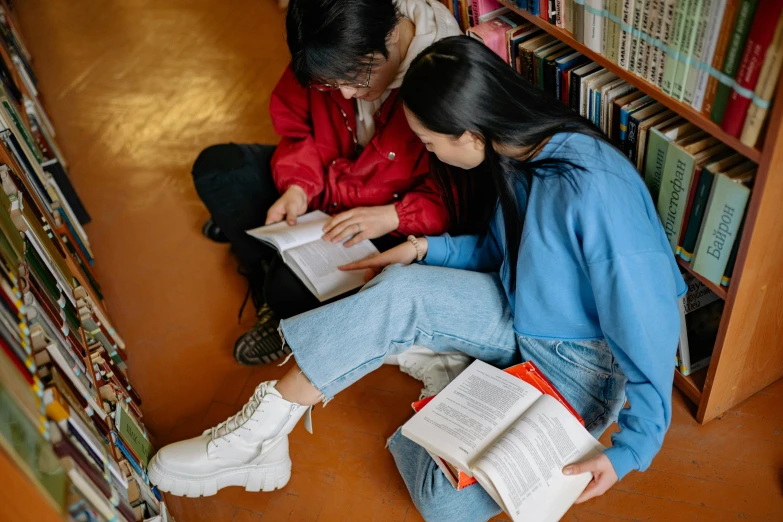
{"x":445,"y":310}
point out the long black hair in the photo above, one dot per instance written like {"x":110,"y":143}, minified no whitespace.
{"x":458,"y":85}
{"x":336,"y":39}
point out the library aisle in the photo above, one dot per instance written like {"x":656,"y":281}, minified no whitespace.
{"x":136,"y":89}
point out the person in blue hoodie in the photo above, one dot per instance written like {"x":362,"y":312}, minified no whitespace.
{"x":573,"y":272}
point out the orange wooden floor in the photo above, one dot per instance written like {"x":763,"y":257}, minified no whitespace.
{"x":136,"y":88}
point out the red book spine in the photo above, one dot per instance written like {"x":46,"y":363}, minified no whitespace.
{"x":759,"y":39}
{"x":543,"y":9}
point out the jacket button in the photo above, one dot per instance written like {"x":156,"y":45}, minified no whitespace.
{"x":396,"y":196}
{"x":334,"y":204}
{"x":391,"y":155}
{"x":378,"y":113}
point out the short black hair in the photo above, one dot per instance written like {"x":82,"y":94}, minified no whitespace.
{"x":334,"y":39}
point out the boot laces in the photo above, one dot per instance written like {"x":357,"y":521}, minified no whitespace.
{"x":234,"y":422}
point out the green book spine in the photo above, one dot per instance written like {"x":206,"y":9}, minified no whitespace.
{"x":726,"y":279}
{"x":132,"y":435}
{"x":539,"y":72}
{"x":29,"y":448}
{"x":734,"y":51}
{"x":692,"y":19}
{"x":692,"y":66}
{"x":673,"y":197}
{"x":697,"y":214}
{"x":657,"y":145}
{"x":612,"y":31}
{"x":670,"y":64}
{"x":721,"y":223}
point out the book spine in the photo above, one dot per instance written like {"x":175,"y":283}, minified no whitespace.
{"x":633,"y":131}
{"x":675,"y":186}
{"x":558,"y":83}
{"x":543,"y":10}
{"x":721,"y":223}
{"x":686,"y":216}
{"x":623,"y":129}
{"x":683,"y":351}
{"x":531,"y":71}
{"x":552,"y":11}
{"x":765,"y":89}
{"x":656,"y":11}
{"x":711,"y":41}
{"x":663,"y":35}
{"x":719,"y":56}
{"x":692,"y":21}
{"x":594,"y":24}
{"x":573,"y":91}
{"x":606,"y":29}
{"x":726,"y":279}
{"x":569,"y":15}
{"x":693,"y":64}
{"x":579,"y":21}
{"x":638,"y":9}
{"x":733,"y":56}
{"x":700,"y":198}
{"x":641,"y":59}
{"x":625,"y":36}
{"x":559,"y":19}
{"x":475,"y":10}
{"x":613,"y":42}
{"x":670,"y":63}
{"x":759,"y":40}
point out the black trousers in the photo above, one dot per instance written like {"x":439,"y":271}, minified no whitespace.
{"x":235,"y":183}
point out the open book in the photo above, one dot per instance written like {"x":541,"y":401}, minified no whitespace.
{"x":512,"y":438}
{"x":313,"y":260}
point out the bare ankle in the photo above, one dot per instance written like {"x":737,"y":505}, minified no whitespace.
{"x":295,"y":387}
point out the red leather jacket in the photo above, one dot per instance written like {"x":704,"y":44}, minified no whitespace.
{"x":318,"y":152}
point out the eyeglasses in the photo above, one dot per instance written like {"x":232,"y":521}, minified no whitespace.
{"x":326,"y":87}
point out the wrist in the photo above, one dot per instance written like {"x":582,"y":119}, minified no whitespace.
{"x":394,"y":218}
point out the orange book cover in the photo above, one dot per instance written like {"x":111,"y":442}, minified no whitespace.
{"x":528,"y":372}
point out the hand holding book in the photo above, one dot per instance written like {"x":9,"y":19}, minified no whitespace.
{"x":604,"y":476}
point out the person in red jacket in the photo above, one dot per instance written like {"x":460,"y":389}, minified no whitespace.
{"x":345,"y":149}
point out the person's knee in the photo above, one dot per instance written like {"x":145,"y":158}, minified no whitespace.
{"x":217,"y":158}
{"x":400,"y":276}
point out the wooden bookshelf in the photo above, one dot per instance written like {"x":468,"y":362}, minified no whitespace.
{"x":684,"y":110}
{"x":748,"y":353}
{"x":720,"y":291}
{"x":692,"y":385}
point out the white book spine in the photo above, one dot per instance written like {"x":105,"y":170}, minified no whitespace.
{"x":594,"y":24}
{"x":713,"y":32}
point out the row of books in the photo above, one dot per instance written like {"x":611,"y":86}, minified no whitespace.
{"x":71,"y":419}
{"x":701,"y":187}
{"x":722,"y":57}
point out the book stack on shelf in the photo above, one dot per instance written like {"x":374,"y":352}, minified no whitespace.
{"x":70,"y":419}
{"x":684,"y":88}
{"x":720,"y":57}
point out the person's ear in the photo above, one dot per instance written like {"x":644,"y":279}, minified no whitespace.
{"x":473,"y":139}
{"x":394,"y":36}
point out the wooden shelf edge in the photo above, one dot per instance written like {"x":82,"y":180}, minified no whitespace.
{"x":720,"y":291}
{"x":687,"y":386}
{"x":686,"y":111}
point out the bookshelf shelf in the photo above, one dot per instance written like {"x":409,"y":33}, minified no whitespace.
{"x":684,"y":110}
{"x":748,"y":352}
{"x":719,"y":290}
{"x":692,"y":385}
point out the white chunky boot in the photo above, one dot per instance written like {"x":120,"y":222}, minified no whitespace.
{"x":249,"y":449}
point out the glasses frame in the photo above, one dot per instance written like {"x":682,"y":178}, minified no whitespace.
{"x":325,"y":87}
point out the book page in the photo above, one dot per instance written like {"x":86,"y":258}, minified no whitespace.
{"x":316,"y":264}
{"x":309,"y":227}
{"x":523,"y":467}
{"x":473,"y":410}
